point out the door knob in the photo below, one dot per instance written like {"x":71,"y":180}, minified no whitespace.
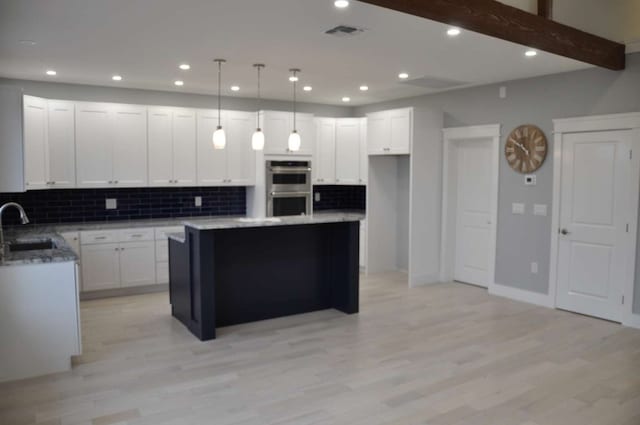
{"x":565,"y":232}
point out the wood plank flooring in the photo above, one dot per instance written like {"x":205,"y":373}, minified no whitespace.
{"x":448,"y":354}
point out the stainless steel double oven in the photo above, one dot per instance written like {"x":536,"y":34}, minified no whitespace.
{"x":288,"y":188}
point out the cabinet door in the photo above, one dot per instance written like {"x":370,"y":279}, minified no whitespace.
{"x":348,"y":151}
{"x":130,"y":146}
{"x":184,"y":147}
{"x":400,"y":122}
{"x":324,"y":164}
{"x":100,"y":267}
{"x":160,"y":146}
{"x":306,"y":126}
{"x":94,"y":145}
{"x":276,"y":128}
{"x":212,"y":163}
{"x":378,"y":134}
{"x":241,"y":159}
{"x":364,"y":155}
{"x":61,"y":144}
{"x":35,"y":143}
{"x":137,"y":263}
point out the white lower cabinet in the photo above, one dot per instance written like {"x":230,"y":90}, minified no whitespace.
{"x":100,"y":267}
{"x":137,"y":264}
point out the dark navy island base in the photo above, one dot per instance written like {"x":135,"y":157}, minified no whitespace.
{"x":227,"y":276}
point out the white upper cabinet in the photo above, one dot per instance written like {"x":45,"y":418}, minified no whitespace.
{"x":35,"y":143}
{"x":390,"y":132}
{"x":241,"y":158}
{"x":348,"y":151}
{"x":130,"y":146}
{"x":212,"y":163}
{"x":277,"y":126}
{"x":94,"y":145}
{"x":364,"y":155}
{"x":324,"y":164}
{"x":172,"y":147}
{"x":61,"y":144}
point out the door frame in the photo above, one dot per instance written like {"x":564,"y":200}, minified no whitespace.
{"x":451,"y":136}
{"x":629,"y":121}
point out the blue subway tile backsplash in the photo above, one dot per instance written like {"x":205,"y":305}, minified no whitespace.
{"x":86,"y":205}
{"x":334,"y":197}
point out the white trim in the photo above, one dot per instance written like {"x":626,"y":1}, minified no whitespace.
{"x":424,"y":280}
{"x":450,"y":136}
{"x":629,"y":121}
{"x":632,"y":47}
{"x":517,"y":294}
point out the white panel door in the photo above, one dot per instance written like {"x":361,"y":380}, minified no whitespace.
{"x":35,"y":143}
{"x":160,"y":134}
{"x":473,"y":212}
{"x":130,"y":146}
{"x":212,"y":163}
{"x":241,"y":158}
{"x":348,"y":151}
{"x":276,"y":128}
{"x":378,"y":134}
{"x":94,"y":145}
{"x":100,"y":267}
{"x":324,"y":166}
{"x":364,"y":155}
{"x":61,"y":144}
{"x":594,"y":207}
{"x":137,"y":263}
{"x":184,"y":147}
{"x":400,"y":123}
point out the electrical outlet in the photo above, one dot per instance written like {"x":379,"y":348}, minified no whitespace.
{"x":517,"y":208}
{"x":316,"y":196}
{"x":503,"y":92}
{"x":540,"y":209}
{"x":111,"y":203}
{"x":534,"y":267}
{"x":198,"y":201}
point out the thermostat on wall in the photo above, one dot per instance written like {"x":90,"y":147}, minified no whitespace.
{"x":530,"y":180}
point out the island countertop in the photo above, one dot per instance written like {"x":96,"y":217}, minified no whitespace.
{"x":233,"y":223}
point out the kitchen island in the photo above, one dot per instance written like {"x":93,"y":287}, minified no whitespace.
{"x":231,"y":271}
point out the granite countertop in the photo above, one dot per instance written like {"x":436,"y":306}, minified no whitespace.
{"x":61,"y":251}
{"x":233,"y":223}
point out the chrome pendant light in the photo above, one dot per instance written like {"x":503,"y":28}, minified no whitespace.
{"x":219,"y":137}
{"x":257,"y":140}
{"x":294,"y":137}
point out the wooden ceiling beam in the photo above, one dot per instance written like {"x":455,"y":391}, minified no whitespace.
{"x":508,"y":23}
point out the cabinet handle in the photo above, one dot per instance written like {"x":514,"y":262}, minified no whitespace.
{"x":99,"y":238}
{"x":115,"y":181}
{"x":53,"y":182}
{"x":110,"y":181}
{"x":137,"y":236}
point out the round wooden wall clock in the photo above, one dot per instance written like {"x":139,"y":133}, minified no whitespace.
{"x":526,"y":149}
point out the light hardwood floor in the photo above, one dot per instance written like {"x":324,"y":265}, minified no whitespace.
{"x":443,"y":354}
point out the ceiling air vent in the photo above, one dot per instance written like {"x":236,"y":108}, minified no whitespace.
{"x":344,"y":31}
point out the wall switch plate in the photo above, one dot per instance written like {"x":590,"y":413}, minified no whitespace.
{"x":534,"y":267}
{"x":111,"y":203}
{"x":316,"y":196}
{"x":503,"y":92}
{"x":517,"y":208}
{"x":530,"y":180}
{"x":540,"y":210}
{"x":197,"y":201}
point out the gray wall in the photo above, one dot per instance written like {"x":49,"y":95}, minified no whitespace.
{"x":151,"y":97}
{"x":523,"y":239}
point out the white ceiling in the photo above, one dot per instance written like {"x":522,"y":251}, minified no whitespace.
{"x":87,"y":41}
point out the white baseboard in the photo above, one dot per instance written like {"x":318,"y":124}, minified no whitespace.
{"x":633,"y":321}
{"x":424,"y":279}
{"x":543,"y":300}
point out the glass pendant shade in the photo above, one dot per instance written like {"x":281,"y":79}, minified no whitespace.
{"x":257,"y":140}
{"x":219,"y":138}
{"x":294,"y":141}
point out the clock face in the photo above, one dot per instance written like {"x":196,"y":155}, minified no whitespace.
{"x":526,"y":149}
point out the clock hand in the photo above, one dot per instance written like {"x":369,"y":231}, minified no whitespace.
{"x":525,"y":150}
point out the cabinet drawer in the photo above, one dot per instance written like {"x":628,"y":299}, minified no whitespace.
{"x":98,"y":236}
{"x":162,"y":250}
{"x":133,"y":235}
{"x":161,"y":232}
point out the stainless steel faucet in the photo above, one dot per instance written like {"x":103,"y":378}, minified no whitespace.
{"x":23,"y":218}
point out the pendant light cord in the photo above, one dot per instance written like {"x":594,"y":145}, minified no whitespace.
{"x":295,"y":82}
{"x":219,"y":85}
{"x":259,"y":100}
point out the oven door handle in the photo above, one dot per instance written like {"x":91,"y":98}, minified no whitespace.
{"x":289,"y":194}
{"x":290,"y":170}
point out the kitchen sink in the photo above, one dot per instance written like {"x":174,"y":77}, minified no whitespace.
{"x":30,"y":246}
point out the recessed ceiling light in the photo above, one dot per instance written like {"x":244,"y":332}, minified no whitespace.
{"x":185,"y":66}
{"x":179,"y":83}
{"x":293,"y":78}
{"x":341,"y":4}
{"x":116,"y":78}
{"x":346,"y":99}
{"x":364,"y":88}
{"x":235,"y":88}
{"x":452,"y":32}
{"x":530,"y":53}
{"x":307,"y":88}
{"x":51,"y":72}
{"x":403,"y":75}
